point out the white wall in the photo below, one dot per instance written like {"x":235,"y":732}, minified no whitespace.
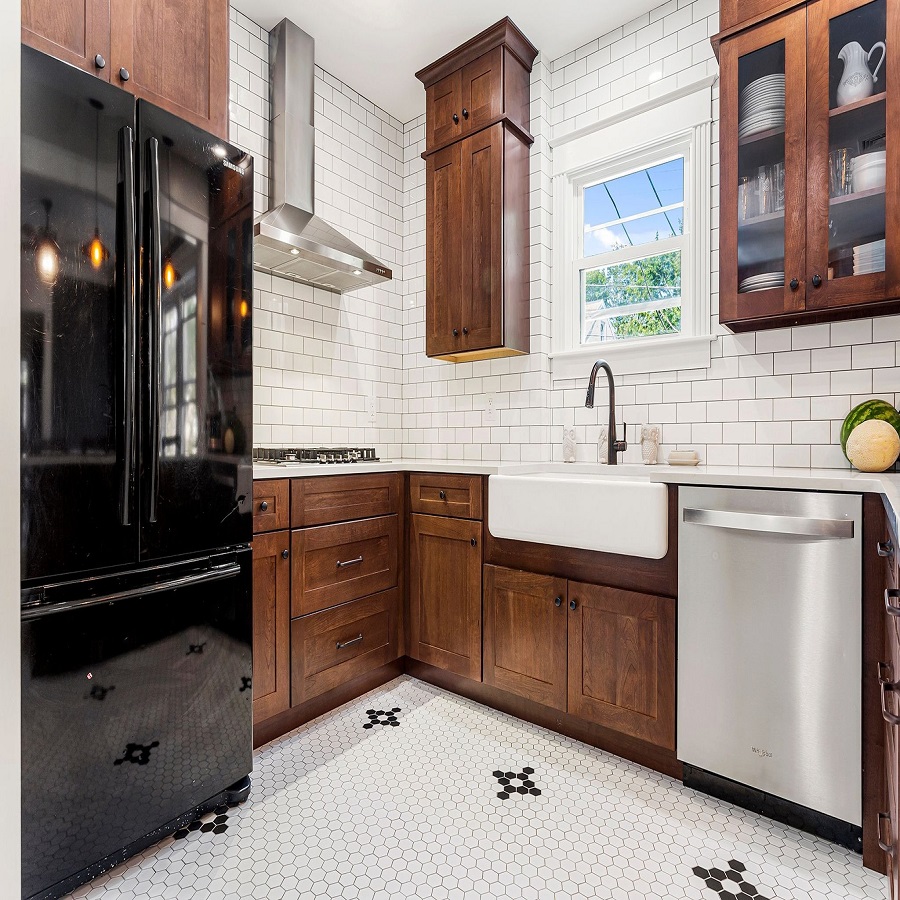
{"x":770,"y":398}
{"x":10,"y":237}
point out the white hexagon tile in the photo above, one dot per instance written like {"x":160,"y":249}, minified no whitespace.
{"x":410,"y":791}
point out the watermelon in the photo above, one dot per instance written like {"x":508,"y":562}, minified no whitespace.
{"x":868,"y":409}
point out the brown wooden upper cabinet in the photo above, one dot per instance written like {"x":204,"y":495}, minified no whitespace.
{"x":175,"y":55}
{"x":810,"y":169}
{"x":477,"y":210}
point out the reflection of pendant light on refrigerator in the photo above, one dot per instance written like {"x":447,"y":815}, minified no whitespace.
{"x":169,"y":273}
{"x":94,"y":249}
{"x":46,"y":250}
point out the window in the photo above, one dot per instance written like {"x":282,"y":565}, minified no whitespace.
{"x":630,"y":269}
{"x":632,"y":262}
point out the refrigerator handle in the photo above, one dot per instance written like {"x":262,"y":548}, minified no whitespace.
{"x":154,"y":304}
{"x":127,"y":254}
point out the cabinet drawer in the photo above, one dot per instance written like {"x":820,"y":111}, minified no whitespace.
{"x":338,"y":498}
{"x":332,"y":564}
{"x":331,"y":647}
{"x":271,"y":505}
{"x":458,"y":496}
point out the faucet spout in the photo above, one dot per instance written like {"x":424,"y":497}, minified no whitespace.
{"x":613,"y":446}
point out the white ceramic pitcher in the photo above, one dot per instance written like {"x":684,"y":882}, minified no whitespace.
{"x":857,"y":81}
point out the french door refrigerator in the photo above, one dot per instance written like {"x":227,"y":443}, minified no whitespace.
{"x":136,"y":410}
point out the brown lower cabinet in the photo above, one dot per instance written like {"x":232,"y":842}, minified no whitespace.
{"x":602,"y":654}
{"x":271,"y":624}
{"x":337,"y":644}
{"x":445,"y":593}
{"x":525,"y":634}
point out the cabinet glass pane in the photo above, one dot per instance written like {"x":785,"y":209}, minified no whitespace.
{"x":760,"y":192}
{"x":856,"y":141}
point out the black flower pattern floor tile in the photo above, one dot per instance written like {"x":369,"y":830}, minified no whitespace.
{"x":508,"y":787}
{"x":218,"y":824}
{"x":138,"y":754}
{"x":98,"y":692}
{"x":730,"y":883}
{"x":382,"y":717}
{"x":246,"y":683}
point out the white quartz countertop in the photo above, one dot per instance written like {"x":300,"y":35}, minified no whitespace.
{"x":843,"y":480}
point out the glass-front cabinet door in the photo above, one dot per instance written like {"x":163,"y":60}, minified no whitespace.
{"x":763,"y":171}
{"x":854,"y":169}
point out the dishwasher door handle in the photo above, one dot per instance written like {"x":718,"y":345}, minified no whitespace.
{"x":796,"y":525}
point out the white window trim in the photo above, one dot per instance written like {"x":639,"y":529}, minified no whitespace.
{"x":681,"y":123}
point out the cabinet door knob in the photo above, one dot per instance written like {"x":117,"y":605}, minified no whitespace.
{"x":572,"y":604}
{"x":442,"y":495}
{"x":455,"y":119}
{"x":455,"y":332}
{"x":465,"y":113}
{"x":474,"y":542}
{"x":817,"y":281}
{"x":124,"y":74}
{"x":264,"y":506}
{"x":557,"y":601}
{"x":795,"y":284}
{"x":465,"y":330}
{"x":99,"y":61}
{"x":285,"y":554}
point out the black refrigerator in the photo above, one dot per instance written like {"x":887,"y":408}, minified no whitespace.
{"x":136,"y":477}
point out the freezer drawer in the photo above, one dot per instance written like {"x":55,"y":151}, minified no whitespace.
{"x":770,"y":643}
{"x":136,"y":707}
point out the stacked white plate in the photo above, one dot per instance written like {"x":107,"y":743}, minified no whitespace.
{"x":761,"y":282}
{"x":868,"y":258}
{"x":761,"y":105}
{"x":868,"y":171}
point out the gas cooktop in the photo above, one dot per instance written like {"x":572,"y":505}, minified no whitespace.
{"x":281,"y":456}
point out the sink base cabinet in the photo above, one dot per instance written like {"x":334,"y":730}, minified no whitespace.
{"x":525,"y":634}
{"x":445,"y":593}
{"x":622,"y":661}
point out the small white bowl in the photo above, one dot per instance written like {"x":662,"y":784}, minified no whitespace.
{"x":869,"y":179}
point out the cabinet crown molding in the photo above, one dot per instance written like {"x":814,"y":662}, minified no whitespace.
{"x":505,"y":33}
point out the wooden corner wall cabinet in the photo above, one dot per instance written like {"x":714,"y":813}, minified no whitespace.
{"x":477,"y":216}
{"x":172,"y":55}
{"x":810,"y":166}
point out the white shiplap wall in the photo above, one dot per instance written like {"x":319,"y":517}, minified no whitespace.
{"x":771,"y":398}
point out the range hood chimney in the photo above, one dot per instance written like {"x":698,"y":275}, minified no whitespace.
{"x":289,"y":240}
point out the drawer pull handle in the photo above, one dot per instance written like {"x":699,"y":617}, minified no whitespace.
{"x":885,"y":548}
{"x":341,"y":644}
{"x":442,"y":495}
{"x":886,"y":685}
{"x":557,"y":601}
{"x":890,"y":608}
{"x":343,"y":563}
{"x":887,"y":845}
{"x":263,"y":506}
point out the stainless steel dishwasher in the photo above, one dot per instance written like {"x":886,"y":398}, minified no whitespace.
{"x":770,"y":652}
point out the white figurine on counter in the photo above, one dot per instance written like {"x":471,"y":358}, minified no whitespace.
{"x":650,"y":444}
{"x":603,"y":446}
{"x":569,"y":444}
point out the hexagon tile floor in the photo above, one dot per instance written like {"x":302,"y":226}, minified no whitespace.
{"x":413,"y":792}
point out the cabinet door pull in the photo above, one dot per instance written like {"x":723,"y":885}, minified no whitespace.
{"x":465,"y":330}
{"x":455,"y":119}
{"x":572,"y":604}
{"x":442,"y":495}
{"x":465,"y":113}
{"x":817,"y":281}
{"x":263,"y":506}
{"x":885,"y":548}
{"x":886,"y":685}
{"x":891,"y":594}
{"x":99,"y":61}
{"x":474,"y":542}
{"x":455,"y":332}
{"x":887,"y":845}
{"x":341,"y":644}
{"x":285,"y":554}
{"x":795,"y":284}
{"x":557,"y":601}
{"x":124,"y":74}
{"x":349,"y":562}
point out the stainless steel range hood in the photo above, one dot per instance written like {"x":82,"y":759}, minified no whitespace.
{"x":289,"y":240}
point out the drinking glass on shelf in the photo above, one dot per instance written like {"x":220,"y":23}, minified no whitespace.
{"x":747,"y":198}
{"x":839,"y":171}
{"x":777,"y":175}
{"x":764,"y":190}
